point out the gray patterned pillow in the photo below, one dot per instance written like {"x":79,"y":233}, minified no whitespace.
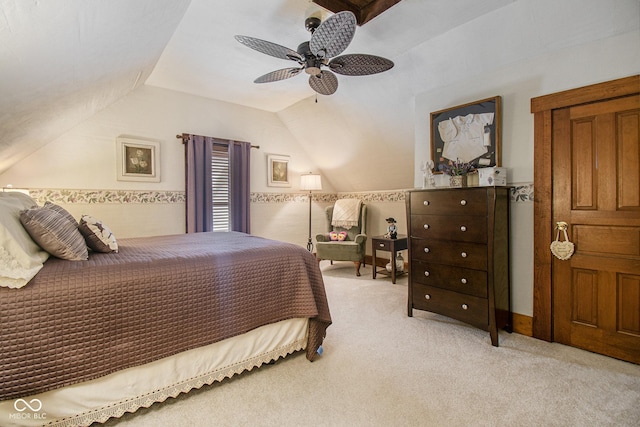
{"x":54,"y":233}
{"x":98,"y":236}
{"x":62,"y":211}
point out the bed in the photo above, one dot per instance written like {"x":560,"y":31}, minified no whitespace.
{"x":87,"y":340}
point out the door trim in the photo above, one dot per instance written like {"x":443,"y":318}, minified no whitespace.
{"x":542,"y":107}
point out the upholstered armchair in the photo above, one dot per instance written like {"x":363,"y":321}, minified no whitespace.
{"x":353,"y":245}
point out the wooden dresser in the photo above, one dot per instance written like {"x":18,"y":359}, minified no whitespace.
{"x":459,"y":255}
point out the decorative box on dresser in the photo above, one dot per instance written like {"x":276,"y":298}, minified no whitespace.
{"x":459,"y":255}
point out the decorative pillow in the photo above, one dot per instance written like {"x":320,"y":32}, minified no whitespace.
{"x":62,"y":211}
{"x":54,"y":233}
{"x":20,"y":257}
{"x":98,"y":236}
{"x":335,"y":236}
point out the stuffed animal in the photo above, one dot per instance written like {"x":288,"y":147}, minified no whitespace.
{"x":340,"y":237}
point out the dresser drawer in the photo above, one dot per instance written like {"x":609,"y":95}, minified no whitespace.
{"x":460,"y":254}
{"x":466,"y":308}
{"x":398,"y":244}
{"x":451,"y":202}
{"x":381,"y":245}
{"x":464,"y":280}
{"x":462,"y":228}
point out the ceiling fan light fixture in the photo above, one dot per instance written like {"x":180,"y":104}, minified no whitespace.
{"x":312,"y":65}
{"x":314,"y":10}
{"x":312,"y":23}
{"x":314,"y":71}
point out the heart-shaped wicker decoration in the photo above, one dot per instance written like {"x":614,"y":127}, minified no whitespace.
{"x":562,"y":250}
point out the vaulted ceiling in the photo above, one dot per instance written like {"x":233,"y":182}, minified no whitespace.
{"x":61,"y":62}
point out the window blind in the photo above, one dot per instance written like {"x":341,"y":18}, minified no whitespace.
{"x":220,"y":188}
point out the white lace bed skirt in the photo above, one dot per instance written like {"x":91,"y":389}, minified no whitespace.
{"x":130,"y":389}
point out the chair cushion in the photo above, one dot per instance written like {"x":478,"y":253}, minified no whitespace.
{"x":340,"y":251}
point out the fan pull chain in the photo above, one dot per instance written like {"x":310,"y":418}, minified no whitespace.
{"x":316,"y":97}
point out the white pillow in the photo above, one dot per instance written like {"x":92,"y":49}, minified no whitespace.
{"x":20,"y":257}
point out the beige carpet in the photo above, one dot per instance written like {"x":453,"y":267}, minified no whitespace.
{"x":383,"y":368}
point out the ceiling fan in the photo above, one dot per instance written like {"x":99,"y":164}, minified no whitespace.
{"x":328,"y":39}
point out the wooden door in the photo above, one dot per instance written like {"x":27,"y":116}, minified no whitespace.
{"x":596,"y":190}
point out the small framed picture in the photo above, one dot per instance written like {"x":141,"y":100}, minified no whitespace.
{"x":468,"y":133}
{"x":278,"y":170}
{"x":138,"y":159}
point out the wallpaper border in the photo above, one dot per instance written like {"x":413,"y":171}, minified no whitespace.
{"x":519,"y":193}
{"x":89,"y":197}
{"x":522,"y":193}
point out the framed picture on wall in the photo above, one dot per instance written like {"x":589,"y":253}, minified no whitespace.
{"x":278,"y":170}
{"x":138,"y":159}
{"x":468,"y":133}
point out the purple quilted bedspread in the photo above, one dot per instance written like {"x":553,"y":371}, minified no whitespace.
{"x":79,"y":320}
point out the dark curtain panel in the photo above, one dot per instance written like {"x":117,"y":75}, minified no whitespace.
{"x":198,"y":182}
{"x":199,"y":187}
{"x":239,"y":166}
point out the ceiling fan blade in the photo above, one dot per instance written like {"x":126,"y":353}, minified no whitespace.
{"x":359,"y":64}
{"x":274,"y":76}
{"x":269,"y":48}
{"x":325,"y":83}
{"x":333,"y":35}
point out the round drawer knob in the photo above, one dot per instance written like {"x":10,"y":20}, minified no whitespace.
{"x":463,"y":254}
{"x":427,"y":296}
{"x":426,"y":226}
{"x":426,"y":273}
{"x":463,"y":281}
{"x":426,"y":250}
{"x":381,"y":245}
{"x":426,"y":203}
{"x":465,"y":306}
{"x":463,"y":202}
{"x":463,"y":228}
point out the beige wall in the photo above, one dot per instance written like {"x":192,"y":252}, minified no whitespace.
{"x":279,"y":216}
{"x":85,"y":156}
{"x":78,"y":169}
{"x":588,"y":63}
{"x":135,"y":220}
{"x":289,"y":220}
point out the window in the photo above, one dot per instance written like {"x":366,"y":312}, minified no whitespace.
{"x":220,"y":187}
{"x":217,"y":183}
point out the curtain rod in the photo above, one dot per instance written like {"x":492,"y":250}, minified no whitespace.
{"x":185,"y":137}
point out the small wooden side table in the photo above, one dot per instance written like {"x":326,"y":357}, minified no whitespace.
{"x":381,"y":243}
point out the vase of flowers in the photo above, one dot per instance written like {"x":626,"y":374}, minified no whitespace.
{"x":458,"y":181}
{"x":458,"y":170}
